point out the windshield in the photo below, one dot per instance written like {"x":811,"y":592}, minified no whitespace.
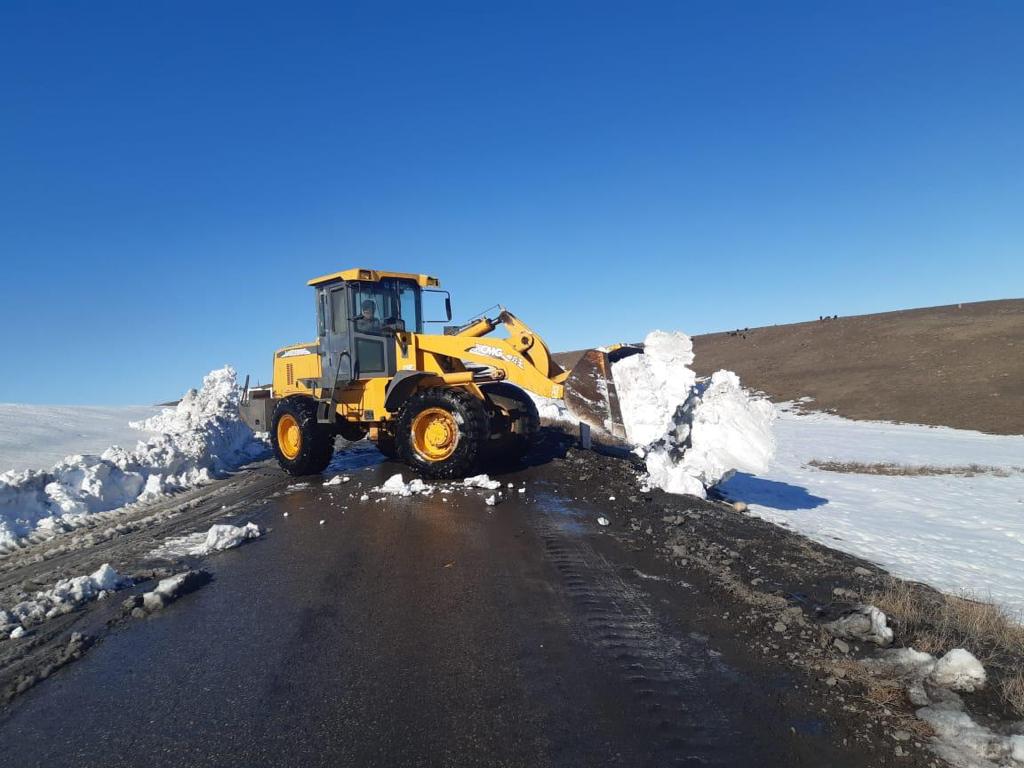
{"x":386,"y":306}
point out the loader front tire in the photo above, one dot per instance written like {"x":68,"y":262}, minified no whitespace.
{"x":301,"y":445}
{"x":442,"y":432}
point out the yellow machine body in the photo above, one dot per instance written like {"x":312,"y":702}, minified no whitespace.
{"x":438,"y":401}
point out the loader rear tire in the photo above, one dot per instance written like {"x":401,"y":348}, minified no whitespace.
{"x":386,"y":445}
{"x":521,"y":434}
{"x":442,"y":432}
{"x":301,"y":445}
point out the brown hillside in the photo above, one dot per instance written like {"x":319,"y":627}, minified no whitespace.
{"x":959,"y":366}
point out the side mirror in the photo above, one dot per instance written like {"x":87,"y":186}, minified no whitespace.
{"x":447,"y":306}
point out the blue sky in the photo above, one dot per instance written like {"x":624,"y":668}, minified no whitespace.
{"x":171,"y":173}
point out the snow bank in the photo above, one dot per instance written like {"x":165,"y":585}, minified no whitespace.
{"x":216,"y":539}
{"x":198,"y":439}
{"x":692,"y":434}
{"x":63,"y":597}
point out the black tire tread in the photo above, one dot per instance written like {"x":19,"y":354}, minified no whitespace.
{"x":474,"y":431}
{"x":317,"y":439}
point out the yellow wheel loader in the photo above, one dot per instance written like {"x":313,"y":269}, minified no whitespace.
{"x":441,"y":403}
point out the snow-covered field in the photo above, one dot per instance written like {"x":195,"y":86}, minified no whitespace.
{"x":41,"y":435}
{"x":957,"y":533}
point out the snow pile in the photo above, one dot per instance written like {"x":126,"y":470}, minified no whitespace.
{"x":958,"y":670}
{"x":693,"y":434}
{"x":63,"y":597}
{"x":216,"y":539}
{"x":396,"y":486}
{"x":201,"y":437}
{"x":930,"y":685}
{"x":481,"y":481}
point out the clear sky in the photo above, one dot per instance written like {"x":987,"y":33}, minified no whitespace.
{"x":171,"y":173}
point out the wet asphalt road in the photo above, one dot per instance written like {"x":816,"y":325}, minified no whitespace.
{"x":412,"y":632}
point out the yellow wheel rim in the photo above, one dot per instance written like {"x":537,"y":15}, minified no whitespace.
{"x":289,"y":436}
{"x":435,"y":434}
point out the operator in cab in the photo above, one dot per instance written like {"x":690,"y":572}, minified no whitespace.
{"x":367,"y":321}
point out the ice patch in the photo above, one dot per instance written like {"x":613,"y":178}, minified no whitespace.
{"x":199,"y":438}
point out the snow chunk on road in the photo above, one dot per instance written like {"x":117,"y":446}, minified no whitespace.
{"x":481,"y":481}
{"x":66,"y":595}
{"x":337,"y":480}
{"x":198,"y":439}
{"x":216,"y":539}
{"x":221,"y":537}
{"x":396,"y":486}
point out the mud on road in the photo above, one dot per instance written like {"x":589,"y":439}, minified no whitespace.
{"x":439,"y":630}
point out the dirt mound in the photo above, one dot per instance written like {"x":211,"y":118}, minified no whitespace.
{"x":959,"y":366}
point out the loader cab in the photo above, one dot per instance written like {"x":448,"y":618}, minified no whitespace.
{"x":359,"y":314}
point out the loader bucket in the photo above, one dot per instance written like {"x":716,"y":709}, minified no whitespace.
{"x":590,"y":393}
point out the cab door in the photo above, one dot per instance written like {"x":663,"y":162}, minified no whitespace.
{"x":335,"y":341}
{"x":373,"y":346}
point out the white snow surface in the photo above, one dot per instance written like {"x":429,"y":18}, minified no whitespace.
{"x":957,"y":533}
{"x":199,"y":438}
{"x":64,"y":597}
{"x":216,"y":539}
{"x":41,"y":435}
